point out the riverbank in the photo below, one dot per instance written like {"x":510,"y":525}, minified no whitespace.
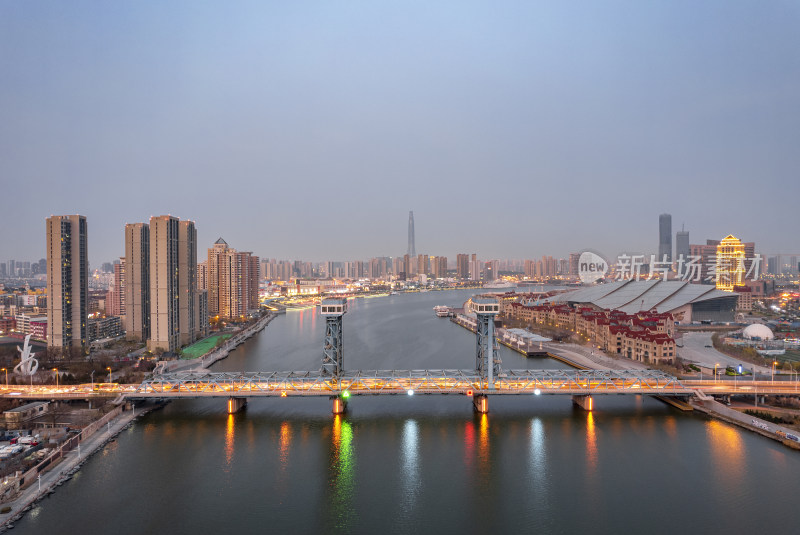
{"x":766,"y":429}
{"x":217,"y":353}
{"x":579,"y":357}
{"x":67,"y":463}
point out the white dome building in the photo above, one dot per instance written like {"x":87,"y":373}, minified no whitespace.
{"x":758,"y":331}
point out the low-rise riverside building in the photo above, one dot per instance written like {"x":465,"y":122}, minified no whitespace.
{"x":645,"y":336}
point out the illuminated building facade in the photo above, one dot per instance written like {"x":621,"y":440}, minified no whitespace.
{"x":730,"y":267}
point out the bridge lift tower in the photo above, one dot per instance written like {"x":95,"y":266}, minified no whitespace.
{"x":487,"y":364}
{"x":332,"y":356}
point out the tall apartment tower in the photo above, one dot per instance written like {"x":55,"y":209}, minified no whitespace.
{"x":412,"y":248}
{"x":67,"y":281}
{"x":137,"y":281}
{"x":462,"y":266}
{"x":173,"y":283}
{"x":115,"y":297}
{"x":665,"y":237}
{"x":682,"y":245}
{"x":232,"y":281}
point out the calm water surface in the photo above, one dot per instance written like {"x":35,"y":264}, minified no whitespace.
{"x":421,"y":464}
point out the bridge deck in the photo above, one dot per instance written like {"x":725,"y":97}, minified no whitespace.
{"x":393,"y":382}
{"x":389,"y":382}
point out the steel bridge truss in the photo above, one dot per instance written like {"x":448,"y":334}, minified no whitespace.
{"x":393,"y":382}
{"x":332,"y":355}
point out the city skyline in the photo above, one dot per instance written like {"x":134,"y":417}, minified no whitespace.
{"x":563,"y":128}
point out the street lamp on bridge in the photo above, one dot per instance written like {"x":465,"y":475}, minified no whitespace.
{"x":56,"y":370}
{"x":774,"y":363}
{"x":6,"y":370}
{"x":715,"y":371}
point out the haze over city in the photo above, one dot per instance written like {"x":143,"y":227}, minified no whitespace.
{"x":309,"y":130}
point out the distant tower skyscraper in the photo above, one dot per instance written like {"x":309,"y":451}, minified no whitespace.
{"x":412,"y":248}
{"x":665,"y":237}
{"x":682,"y":245}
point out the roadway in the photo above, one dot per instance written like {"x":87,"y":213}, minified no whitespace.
{"x":697,"y":348}
{"x":394,"y":382}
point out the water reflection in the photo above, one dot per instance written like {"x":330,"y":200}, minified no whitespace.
{"x":410,"y":468}
{"x":591,"y":444}
{"x":285,"y":442}
{"x":229,"y":427}
{"x":727,"y":452}
{"x":469,"y":443}
{"x":341,"y":512}
{"x":484,"y":466}
{"x":537,"y":465}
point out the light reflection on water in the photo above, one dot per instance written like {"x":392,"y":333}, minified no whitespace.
{"x":229,"y":435}
{"x":410,"y":471}
{"x":727,"y":452}
{"x":341,"y":511}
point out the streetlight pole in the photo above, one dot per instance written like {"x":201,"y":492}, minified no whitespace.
{"x":6,"y":370}
{"x":772,"y":380}
{"x":715,"y":372}
{"x":109,"y":374}
{"x":56,"y":370}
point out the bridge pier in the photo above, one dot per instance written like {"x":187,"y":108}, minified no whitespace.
{"x":236,"y":404}
{"x":339,"y":404}
{"x":584,"y":402}
{"x":481,"y":403}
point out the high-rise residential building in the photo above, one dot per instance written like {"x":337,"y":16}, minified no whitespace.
{"x":730,"y":266}
{"x":474,"y":268}
{"x":232,"y":281}
{"x":187,"y":281}
{"x":438,"y":267}
{"x":115,"y":297}
{"x":462,"y":266}
{"x":492,"y":269}
{"x":173,"y":283}
{"x":423,"y":264}
{"x":412,"y":248}
{"x":67,"y":281}
{"x":682,"y":245}
{"x":137,"y":281}
{"x":574,"y":261}
{"x":202,"y":275}
{"x":665,"y":237}
{"x":215,"y":254}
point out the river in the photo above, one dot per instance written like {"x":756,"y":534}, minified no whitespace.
{"x":420,"y":464}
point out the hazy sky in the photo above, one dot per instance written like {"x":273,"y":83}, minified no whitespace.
{"x":309,"y":129}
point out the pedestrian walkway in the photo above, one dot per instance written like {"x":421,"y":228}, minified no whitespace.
{"x":63,"y":470}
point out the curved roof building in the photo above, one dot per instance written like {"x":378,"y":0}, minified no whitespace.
{"x":757,"y":331}
{"x":686,"y":302}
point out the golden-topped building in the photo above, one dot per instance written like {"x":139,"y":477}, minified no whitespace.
{"x":730,"y":269}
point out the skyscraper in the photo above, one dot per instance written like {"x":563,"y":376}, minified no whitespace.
{"x":412,"y":248}
{"x":67,"y":281}
{"x":462,"y":266}
{"x":730,"y":268}
{"x":173,"y":283}
{"x":665,"y":237}
{"x":682,"y":245}
{"x":137,"y":281}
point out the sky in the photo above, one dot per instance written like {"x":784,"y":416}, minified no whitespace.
{"x":308,"y":130}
